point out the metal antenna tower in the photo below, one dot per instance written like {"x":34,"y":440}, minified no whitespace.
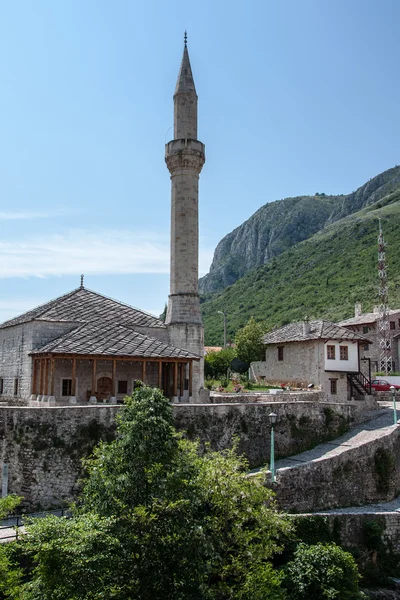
{"x":385,"y":358}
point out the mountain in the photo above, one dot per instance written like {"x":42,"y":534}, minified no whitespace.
{"x":277,"y":226}
{"x":322,"y":276}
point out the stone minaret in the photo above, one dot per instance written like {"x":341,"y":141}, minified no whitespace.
{"x":185,"y":157}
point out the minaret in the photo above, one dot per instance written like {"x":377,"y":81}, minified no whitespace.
{"x":185,"y":157}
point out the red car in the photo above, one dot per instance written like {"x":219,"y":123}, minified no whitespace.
{"x":381,"y":385}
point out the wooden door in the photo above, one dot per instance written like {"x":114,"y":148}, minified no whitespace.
{"x":104,"y":388}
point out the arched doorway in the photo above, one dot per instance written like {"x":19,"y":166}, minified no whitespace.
{"x":104,"y":388}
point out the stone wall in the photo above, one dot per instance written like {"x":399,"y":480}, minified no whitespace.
{"x":364,"y":474}
{"x":349,"y":529}
{"x":44,"y":446}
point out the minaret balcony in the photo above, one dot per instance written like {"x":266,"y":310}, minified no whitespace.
{"x":184,"y":155}
{"x":184,"y":144}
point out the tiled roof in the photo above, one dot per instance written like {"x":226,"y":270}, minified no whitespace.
{"x":323,"y":330}
{"x":84,"y":306}
{"x":365,"y":318}
{"x":111,"y":340}
{"x":101,"y":326}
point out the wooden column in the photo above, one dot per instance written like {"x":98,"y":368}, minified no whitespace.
{"x":41,"y":377}
{"x":93,"y":377}
{"x":46,"y":376}
{"x":34,"y":376}
{"x":114,"y":375}
{"x":190,"y":377}
{"x":73,"y":377}
{"x":144,"y":371}
{"x":160,"y":374}
{"x":181,"y":380}
{"x":52,"y":365}
{"x":175,"y":379}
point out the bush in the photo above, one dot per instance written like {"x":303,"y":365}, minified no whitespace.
{"x":322,"y":571}
{"x":217,"y":364}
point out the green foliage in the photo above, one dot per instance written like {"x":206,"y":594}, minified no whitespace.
{"x":248,"y":341}
{"x":10,"y":573}
{"x":217,"y":364}
{"x":156,"y":521}
{"x":322,"y":571}
{"x":321,"y":277}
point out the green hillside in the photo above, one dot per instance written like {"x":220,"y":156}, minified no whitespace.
{"x":321,"y":277}
{"x":280,"y":225}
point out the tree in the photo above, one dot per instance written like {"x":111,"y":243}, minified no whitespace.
{"x":248,"y":341}
{"x":218,"y":363}
{"x":10,"y":574}
{"x":322,"y":572}
{"x":156,"y":520}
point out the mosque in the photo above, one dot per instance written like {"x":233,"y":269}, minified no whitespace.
{"x":86,"y":348}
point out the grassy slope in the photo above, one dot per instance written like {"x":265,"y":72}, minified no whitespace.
{"x":321,"y":277}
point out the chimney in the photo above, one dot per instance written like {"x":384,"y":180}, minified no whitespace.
{"x":306,"y":326}
{"x":357,"y":309}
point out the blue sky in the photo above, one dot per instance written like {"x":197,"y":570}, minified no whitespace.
{"x":295,"y":97}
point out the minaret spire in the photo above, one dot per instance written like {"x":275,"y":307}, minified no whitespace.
{"x":185,"y":100}
{"x":185,"y":157}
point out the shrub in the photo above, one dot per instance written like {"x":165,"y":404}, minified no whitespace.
{"x":322,"y":571}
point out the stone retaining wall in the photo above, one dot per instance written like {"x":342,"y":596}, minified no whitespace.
{"x":43,"y":447}
{"x":366,"y":474}
{"x":350,"y":529}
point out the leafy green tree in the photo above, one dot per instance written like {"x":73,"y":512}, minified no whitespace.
{"x":156,"y":521}
{"x":10,"y":574}
{"x":248,"y":341}
{"x":218,"y":363}
{"x":322,"y":572}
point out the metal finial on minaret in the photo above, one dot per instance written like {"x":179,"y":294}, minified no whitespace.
{"x":82,"y":277}
{"x":185,"y":38}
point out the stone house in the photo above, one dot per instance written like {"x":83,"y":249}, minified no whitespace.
{"x":319,"y":353}
{"x":85,"y":347}
{"x":367,"y":324}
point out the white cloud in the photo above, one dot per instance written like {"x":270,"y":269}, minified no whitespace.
{"x":28,"y":215}
{"x":94,"y":252}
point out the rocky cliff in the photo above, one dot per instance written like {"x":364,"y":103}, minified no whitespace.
{"x":277,"y":226}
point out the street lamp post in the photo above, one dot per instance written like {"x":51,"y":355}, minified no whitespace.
{"x":272,"y":420}
{"x":222,"y":312}
{"x":394,"y":404}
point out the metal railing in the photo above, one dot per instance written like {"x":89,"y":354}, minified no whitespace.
{"x":13,"y":523}
{"x":360,"y":380}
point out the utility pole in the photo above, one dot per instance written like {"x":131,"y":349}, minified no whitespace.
{"x":223,"y":312}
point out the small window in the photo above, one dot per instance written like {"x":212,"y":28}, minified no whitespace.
{"x":366,"y":346}
{"x":344,"y":352}
{"x":365,"y":329}
{"x":330,"y":352}
{"x":392,"y":325}
{"x":16,"y":386}
{"x":280,"y":352}
{"x":333,"y":386}
{"x":122,"y":387}
{"x":1,"y":386}
{"x":67,"y":387}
